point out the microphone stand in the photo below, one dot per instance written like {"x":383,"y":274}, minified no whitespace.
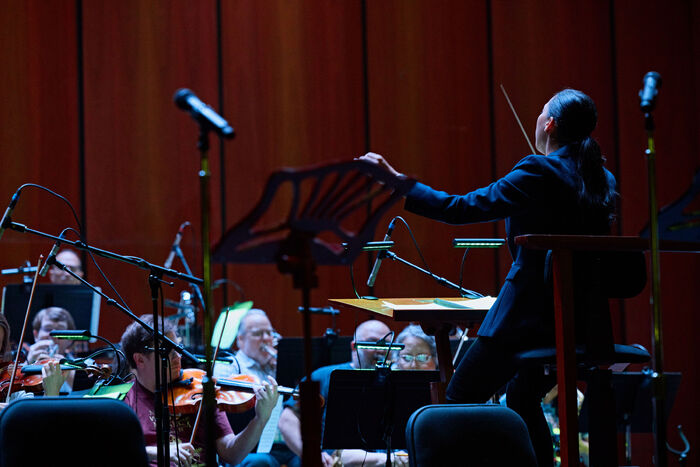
{"x":440,"y":280}
{"x":657,"y":376}
{"x":161,"y":343}
{"x":195,"y":287}
{"x":208,"y":392}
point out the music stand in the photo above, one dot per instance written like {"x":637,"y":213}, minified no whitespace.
{"x":330,"y":205}
{"x":369,"y":409}
{"x":290,"y":356}
{"x":83,"y":304}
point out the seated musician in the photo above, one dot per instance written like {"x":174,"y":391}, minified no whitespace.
{"x":137,"y":342}
{"x":44,"y":346}
{"x":290,"y":423}
{"x":71,"y":260}
{"x":51,"y":372}
{"x":48,"y":349}
{"x":257,"y":356}
{"x":419,"y":352}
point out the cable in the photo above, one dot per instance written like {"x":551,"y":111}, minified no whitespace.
{"x":75,"y":216}
{"x":352,"y":281}
{"x":94,"y":261}
{"x":415,"y":243}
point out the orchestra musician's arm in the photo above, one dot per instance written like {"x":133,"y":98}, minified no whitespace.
{"x":290,"y":428}
{"x":234,"y":447}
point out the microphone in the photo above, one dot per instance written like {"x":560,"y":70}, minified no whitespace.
{"x":647,"y":96}
{"x":8,"y":212}
{"x":50,"y":259}
{"x":19,"y":270}
{"x":176,"y":244}
{"x":202,"y":113}
{"x":380,"y":256}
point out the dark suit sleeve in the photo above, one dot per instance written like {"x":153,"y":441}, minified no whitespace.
{"x":508,"y":196}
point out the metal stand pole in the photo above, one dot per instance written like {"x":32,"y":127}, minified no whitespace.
{"x":207,"y":382}
{"x":657,"y":376}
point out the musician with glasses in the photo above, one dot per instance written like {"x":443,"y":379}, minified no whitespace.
{"x":257,"y":355}
{"x":419,"y":352}
{"x":71,"y":260}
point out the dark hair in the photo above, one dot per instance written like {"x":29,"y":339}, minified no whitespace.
{"x":54,"y":314}
{"x":136,"y":339}
{"x":5,"y":343}
{"x":576,"y":116}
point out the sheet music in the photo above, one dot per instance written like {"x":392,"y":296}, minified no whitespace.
{"x":267,"y":438}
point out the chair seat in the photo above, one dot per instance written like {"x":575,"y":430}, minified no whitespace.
{"x":621,"y":354}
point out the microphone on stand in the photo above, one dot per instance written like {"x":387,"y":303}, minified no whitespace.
{"x":176,"y":244}
{"x":380,"y":256}
{"x":51,"y":259}
{"x":19,"y":270}
{"x":647,"y":96}
{"x":8,"y":212}
{"x":202,"y":113}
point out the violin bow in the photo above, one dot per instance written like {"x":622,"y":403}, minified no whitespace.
{"x":24,"y":328}
{"x":216,"y":353}
{"x":515,"y":114}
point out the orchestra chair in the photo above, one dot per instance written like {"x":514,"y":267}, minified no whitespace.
{"x":478,"y":435}
{"x":70,"y":431}
{"x":583,"y":281}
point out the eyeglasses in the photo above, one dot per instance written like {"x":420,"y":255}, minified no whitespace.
{"x":258,"y":333}
{"x":420,"y":358}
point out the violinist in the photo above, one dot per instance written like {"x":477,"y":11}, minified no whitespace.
{"x":257,"y":356}
{"x":136,"y":342}
{"x":44,"y":346}
{"x":53,"y":378}
{"x":567,"y":190}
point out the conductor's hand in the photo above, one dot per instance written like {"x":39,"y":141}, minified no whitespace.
{"x":377,"y":159}
{"x":265,"y":399}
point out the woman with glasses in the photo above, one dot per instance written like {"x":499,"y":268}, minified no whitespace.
{"x":419,"y":352}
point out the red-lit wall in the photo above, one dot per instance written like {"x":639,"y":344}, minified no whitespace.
{"x":87,"y":110}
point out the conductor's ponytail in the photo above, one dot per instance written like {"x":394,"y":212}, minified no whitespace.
{"x":576,"y":116}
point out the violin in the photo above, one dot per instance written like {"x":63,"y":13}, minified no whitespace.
{"x":10,"y":382}
{"x":29,"y":377}
{"x":187,"y":393}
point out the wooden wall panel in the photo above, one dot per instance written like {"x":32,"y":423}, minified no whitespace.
{"x":651,"y":36}
{"x":293,"y":87}
{"x":430,"y":117}
{"x":38,"y":123}
{"x":141,"y":156}
{"x":540,"y":48}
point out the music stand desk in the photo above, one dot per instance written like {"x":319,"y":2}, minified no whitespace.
{"x":436,"y":320}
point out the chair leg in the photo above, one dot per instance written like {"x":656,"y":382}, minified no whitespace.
{"x":603,"y":429}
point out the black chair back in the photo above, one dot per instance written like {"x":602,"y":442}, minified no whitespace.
{"x":478,"y":435}
{"x":70,"y":431}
